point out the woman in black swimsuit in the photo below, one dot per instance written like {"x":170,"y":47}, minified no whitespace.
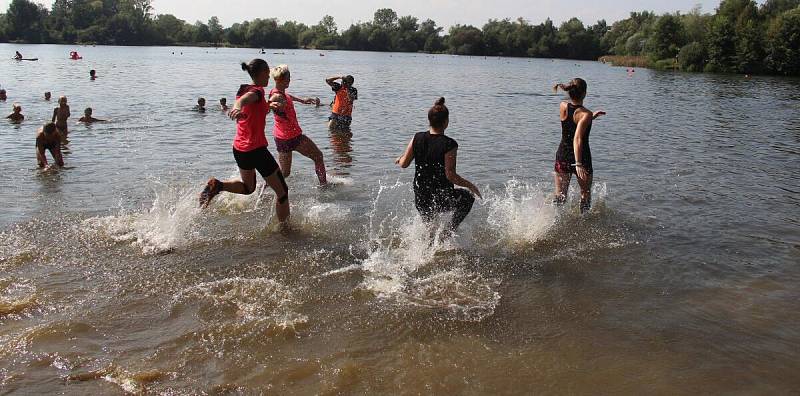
{"x":435,"y":176}
{"x":574,"y":155}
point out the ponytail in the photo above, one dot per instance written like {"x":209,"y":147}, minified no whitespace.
{"x":576,"y":88}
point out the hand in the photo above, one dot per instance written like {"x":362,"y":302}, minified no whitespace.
{"x":581,"y":172}
{"x":397,"y":161}
{"x":475,"y":191}
{"x":598,"y":114}
{"x":236,"y":114}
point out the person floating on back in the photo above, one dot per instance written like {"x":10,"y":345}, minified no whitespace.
{"x":87,"y":117}
{"x":574,"y":155}
{"x":435,"y":177}
{"x":342,"y":112}
{"x":250,"y":145}
{"x":60,"y":116}
{"x":223,"y":104}
{"x":92,"y":75}
{"x":48,"y":139}
{"x":288,"y":135}
{"x":47,"y":96}
{"x":201,"y":105}
{"x":16,"y":114}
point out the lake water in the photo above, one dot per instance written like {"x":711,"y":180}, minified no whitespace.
{"x":683,"y":278}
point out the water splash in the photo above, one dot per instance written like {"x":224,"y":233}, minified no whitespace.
{"x":168,"y":224}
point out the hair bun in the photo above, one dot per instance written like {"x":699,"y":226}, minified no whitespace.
{"x":439,"y":102}
{"x":244,"y":67}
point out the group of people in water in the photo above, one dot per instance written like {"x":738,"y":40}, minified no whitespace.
{"x":53,"y":134}
{"x":434,"y":153}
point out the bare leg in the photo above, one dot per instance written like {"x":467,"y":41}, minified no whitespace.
{"x":562,"y":187}
{"x":246,"y":186}
{"x":278,"y":184}
{"x":285,"y":161}
{"x":310,"y":150}
{"x":586,"y":192}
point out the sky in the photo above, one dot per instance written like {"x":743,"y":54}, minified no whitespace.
{"x":444,"y":12}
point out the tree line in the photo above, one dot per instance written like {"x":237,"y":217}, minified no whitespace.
{"x":740,"y":37}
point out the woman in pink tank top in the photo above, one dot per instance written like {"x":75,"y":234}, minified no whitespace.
{"x":288,"y":135}
{"x":250,"y":144}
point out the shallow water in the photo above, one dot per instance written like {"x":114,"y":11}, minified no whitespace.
{"x":682,"y":279}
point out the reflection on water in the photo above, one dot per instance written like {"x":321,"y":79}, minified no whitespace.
{"x":341,"y":144}
{"x":683,"y":278}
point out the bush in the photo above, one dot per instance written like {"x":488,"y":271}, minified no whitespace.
{"x":665,"y":64}
{"x":692,"y":57}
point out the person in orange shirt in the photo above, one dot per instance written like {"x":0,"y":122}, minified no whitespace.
{"x":342,"y":111}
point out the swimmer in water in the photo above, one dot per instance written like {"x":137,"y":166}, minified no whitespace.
{"x":3,"y":96}
{"x":92,"y":74}
{"x":48,"y":139}
{"x":87,"y":117}
{"x":223,"y":104}
{"x":250,"y":145}
{"x":201,"y":105}
{"x":60,"y":116}
{"x":573,"y":155}
{"x":342,"y":108}
{"x":435,"y":176}
{"x":288,"y":135}
{"x":16,"y":115}
{"x":47,"y":96}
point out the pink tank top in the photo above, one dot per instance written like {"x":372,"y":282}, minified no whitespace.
{"x":286,"y":125}
{"x":250,"y":128}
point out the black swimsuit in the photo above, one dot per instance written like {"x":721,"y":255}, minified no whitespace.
{"x":565,"y":156}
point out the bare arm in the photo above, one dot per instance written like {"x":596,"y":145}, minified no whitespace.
{"x":304,"y":100}
{"x":246,"y":99}
{"x":405,"y":160}
{"x":450,"y":159}
{"x":55,"y":114}
{"x":331,"y":80}
{"x":40,"y":157}
{"x":580,"y":141}
{"x":277,"y":101}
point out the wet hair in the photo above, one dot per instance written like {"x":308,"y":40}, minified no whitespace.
{"x":88,"y":110}
{"x":92,"y":72}
{"x":64,"y":98}
{"x":223,"y":100}
{"x":201,"y":100}
{"x":438,"y":115}
{"x":280,"y":72}
{"x":349,"y":79}
{"x":49,"y":128}
{"x":255,"y":67}
{"x":16,"y":106}
{"x":576,"y":89}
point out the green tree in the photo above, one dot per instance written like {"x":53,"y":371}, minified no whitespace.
{"x":721,"y":45}
{"x":465,"y":40}
{"x":24,"y":21}
{"x":667,"y":39}
{"x":692,"y":57}
{"x":783,"y":48}
{"x":385,"y":18}
{"x":216,"y":31}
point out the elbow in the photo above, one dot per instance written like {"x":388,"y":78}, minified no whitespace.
{"x":451,"y":176}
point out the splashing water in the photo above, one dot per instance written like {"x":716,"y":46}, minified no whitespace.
{"x":169,"y":223}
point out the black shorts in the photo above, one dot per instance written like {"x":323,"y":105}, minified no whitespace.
{"x":259,"y":159}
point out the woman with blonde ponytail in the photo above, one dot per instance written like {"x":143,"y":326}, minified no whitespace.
{"x":573,"y":155}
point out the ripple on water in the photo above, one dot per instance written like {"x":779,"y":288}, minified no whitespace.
{"x":240,"y":311}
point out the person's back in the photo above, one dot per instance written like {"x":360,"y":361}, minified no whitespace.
{"x":566,"y":152}
{"x":429,"y":152}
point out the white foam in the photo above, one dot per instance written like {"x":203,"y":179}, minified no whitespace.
{"x":520,"y":212}
{"x":169,"y":222}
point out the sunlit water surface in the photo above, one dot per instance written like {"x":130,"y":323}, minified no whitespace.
{"x":682,"y":279}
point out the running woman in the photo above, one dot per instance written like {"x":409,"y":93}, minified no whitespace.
{"x":435,"y":157}
{"x":574,"y":155}
{"x":288,"y":135}
{"x":342,"y":110}
{"x":250,"y":145}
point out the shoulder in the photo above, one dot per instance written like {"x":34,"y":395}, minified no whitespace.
{"x":452,"y":144}
{"x":582,"y":113}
